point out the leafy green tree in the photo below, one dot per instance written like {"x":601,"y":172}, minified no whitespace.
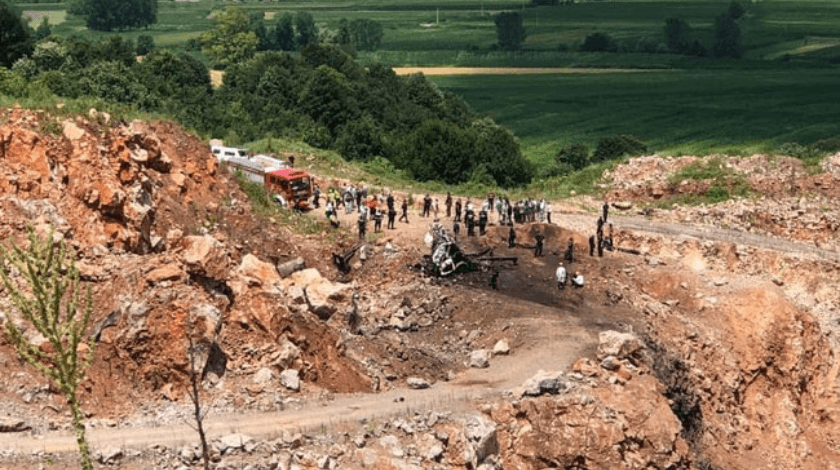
{"x":499,"y":154}
{"x":575,"y":155}
{"x":366,"y":34}
{"x":438,"y":150}
{"x":50,"y":303}
{"x":736,"y":10}
{"x":15,"y":36}
{"x":145,"y":44}
{"x":327,"y":98}
{"x":256,"y":23}
{"x":510,"y":31}
{"x":43,"y":30}
{"x":342,"y":36}
{"x":598,"y":42}
{"x":231,"y":41}
{"x":284,"y":33}
{"x":727,"y":38}
{"x":108,"y":15}
{"x":677,"y":35}
{"x":360,"y":139}
{"x":610,"y":148}
{"x":307,"y":32}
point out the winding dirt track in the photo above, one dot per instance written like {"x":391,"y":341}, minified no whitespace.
{"x":554,"y":342}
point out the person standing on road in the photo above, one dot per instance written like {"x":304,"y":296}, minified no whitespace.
{"x":494,"y":280}
{"x":538,"y":249}
{"x":448,"y":203}
{"x":436,"y":209}
{"x":362,"y":222}
{"x":427,"y":205}
{"x":456,"y":228}
{"x":482,"y":221}
{"x":605,"y":209}
{"x":392,"y":214}
{"x":458,"y":210}
{"x":511,"y":236}
{"x":316,"y":196}
{"x":569,"y":256}
{"x":470,"y":218}
{"x":377,"y":220}
{"x":404,"y":207}
{"x":560,"y":276}
{"x":548,"y":211}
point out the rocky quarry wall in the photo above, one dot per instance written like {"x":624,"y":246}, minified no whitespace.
{"x":734,"y":373}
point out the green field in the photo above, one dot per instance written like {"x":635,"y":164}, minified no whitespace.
{"x":674,"y":112}
{"x":785,"y":89}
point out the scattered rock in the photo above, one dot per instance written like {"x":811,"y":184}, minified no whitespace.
{"x":501,"y":348}
{"x":13,"y":425}
{"x":480,"y":359}
{"x":290,"y":379}
{"x":417,"y":383}
{"x":290,"y":267}
{"x":620,"y":345}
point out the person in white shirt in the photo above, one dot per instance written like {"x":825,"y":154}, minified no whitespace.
{"x":561,"y":277}
{"x":577,"y":280}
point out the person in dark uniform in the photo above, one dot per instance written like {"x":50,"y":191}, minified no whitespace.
{"x":448,"y":203}
{"x":494,"y":280}
{"x":470,"y":218}
{"x":600,"y":228}
{"x":538,"y":249}
{"x":392,"y":214}
{"x":456,"y":227}
{"x":605,"y":209}
{"x":592,"y":245}
{"x":511,"y":236}
{"x":569,"y":256}
{"x":482,"y":221}
{"x":390,"y":201}
{"x":362,"y":223}
{"x":316,"y":196}
{"x":458,"y":210}
{"x":404,"y":210}
{"x":427,"y":205}
{"x":509,"y":211}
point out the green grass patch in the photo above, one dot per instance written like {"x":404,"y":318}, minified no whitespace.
{"x":726,"y":182}
{"x":54,"y":17}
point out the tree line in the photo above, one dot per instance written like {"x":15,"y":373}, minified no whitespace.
{"x":321,"y":96}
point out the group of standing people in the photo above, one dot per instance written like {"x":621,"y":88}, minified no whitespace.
{"x":598,"y":241}
{"x":369,"y":207}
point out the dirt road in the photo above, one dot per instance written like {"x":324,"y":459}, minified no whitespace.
{"x":555,"y":343}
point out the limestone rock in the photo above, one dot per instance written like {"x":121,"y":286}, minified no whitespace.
{"x":231,"y":441}
{"x":290,"y":379}
{"x":480,"y":359}
{"x":620,"y":345}
{"x":258,"y":272}
{"x":542,"y":383}
{"x":289,"y":267}
{"x":8,"y":424}
{"x":481,"y":432}
{"x":206,"y":256}
{"x":169,"y":272}
{"x":417,"y":383}
{"x":501,"y":348}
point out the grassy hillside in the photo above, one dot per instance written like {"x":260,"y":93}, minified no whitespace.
{"x":673,"y":111}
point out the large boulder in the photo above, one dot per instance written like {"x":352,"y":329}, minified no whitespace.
{"x":289,"y":267}
{"x":481,"y":432}
{"x":257,"y":272}
{"x":206,"y":256}
{"x":620,"y":345}
{"x":322,"y":296}
{"x":542,"y":383}
{"x":480,"y":359}
{"x":290,"y":379}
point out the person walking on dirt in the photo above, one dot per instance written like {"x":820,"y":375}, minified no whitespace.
{"x":456,"y":228}
{"x":316,"y":196}
{"x":404,"y":207}
{"x":591,"y":246}
{"x":605,"y":209}
{"x":511,"y":236}
{"x":569,"y":255}
{"x":427,"y":205}
{"x":560,"y":276}
{"x":482,"y":221}
{"x":538,"y":249}
{"x":392,"y":214}
{"x":470,"y":218}
{"x":362,"y":222}
{"x":494,"y":280}
{"x":448,"y":203}
{"x":600,"y":228}
{"x":377,"y":220}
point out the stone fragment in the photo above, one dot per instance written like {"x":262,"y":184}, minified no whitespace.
{"x":620,"y":345}
{"x":290,"y":379}
{"x":501,"y":348}
{"x":480,"y":359}
{"x":417,"y":383}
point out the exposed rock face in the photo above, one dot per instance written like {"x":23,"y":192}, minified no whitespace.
{"x":206,"y":256}
{"x":603,"y":427}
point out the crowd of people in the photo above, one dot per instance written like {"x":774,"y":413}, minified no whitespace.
{"x":478,"y":215}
